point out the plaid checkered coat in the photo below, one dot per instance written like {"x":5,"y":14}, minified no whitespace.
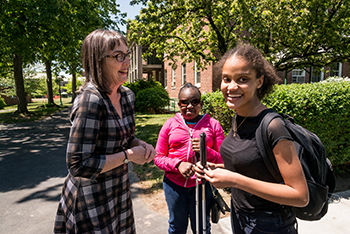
{"x":92,"y":202}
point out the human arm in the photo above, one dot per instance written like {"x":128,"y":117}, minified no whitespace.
{"x":165,"y":159}
{"x":87,"y":113}
{"x":135,"y":154}
{"x":150,"y":152}
{"x":88,"y":134}
{"x":293,"y":192}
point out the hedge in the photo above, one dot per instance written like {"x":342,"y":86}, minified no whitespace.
{"x":322,"y":108}
{"x":151,"y":97}
{"x":2,"y":103}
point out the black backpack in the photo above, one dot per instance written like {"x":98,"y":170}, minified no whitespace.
{"x":317,"y":167}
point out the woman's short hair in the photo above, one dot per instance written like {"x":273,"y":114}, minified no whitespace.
{"x":95,"y":47}
{"x":189,"y":86}
{"x":257,"y":62}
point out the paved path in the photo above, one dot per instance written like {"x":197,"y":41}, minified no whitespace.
{"x":32,"y":171}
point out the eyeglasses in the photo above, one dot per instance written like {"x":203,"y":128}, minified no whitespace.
{"x":120,"y":56}
{"x":185,"y":103}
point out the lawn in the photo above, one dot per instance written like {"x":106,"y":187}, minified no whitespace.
{"x":147,"y":129}
{"x":38,"y":109}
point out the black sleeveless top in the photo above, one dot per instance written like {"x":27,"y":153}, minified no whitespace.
{"x":240,"y":154}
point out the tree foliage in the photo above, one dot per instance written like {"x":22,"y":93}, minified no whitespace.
{"x":290,"y":33}
{"x":47,"y":31}
{"x":192,"y":30}
{"x":323,"y":108}
{"x":299,"y":33}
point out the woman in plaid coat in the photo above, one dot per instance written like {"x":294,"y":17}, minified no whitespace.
{"x":96,"y":193}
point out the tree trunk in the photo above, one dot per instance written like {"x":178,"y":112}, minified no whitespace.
{"x":74,"y":84}
{"x":19,"y":82}
{"x":49,"y":82}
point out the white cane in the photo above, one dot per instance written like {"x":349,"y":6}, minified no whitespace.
{"x":203,"y":154}
{"x":197,"y":198}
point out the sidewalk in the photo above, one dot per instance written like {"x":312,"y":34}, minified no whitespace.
{"x":336,"y":221}
{"x":33,"y":168}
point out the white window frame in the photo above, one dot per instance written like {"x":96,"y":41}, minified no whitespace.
{"x":173,"y":76}
{"x":339,"y":70}
{"x":183,"y":73}
{"x":298,"y":76}
{"x":197,"y":71}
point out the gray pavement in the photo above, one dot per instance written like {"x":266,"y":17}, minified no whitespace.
{"x":32,"y":171}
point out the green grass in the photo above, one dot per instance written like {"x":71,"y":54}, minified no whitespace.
{"x":147,"y":129}
{"x":38,"y":109}
{"x":149,"y":125}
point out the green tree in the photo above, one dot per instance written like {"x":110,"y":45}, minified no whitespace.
{"x":37,"y":30}
{"x":99,"y":16}
{"x":69,"y":85}
{"x":290,"y":33}
{"x":193,"y":30}
{"x":298,"y":33}
{"x":15,"y":25}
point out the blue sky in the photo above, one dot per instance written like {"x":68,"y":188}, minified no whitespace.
{"x":131,"y":11}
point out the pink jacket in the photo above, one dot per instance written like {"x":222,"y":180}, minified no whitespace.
{"x":174,"y":146}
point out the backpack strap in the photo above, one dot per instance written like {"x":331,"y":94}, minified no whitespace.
{"x":264,"y":147}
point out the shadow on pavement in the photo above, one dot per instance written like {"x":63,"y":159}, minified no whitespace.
{"x":33,"y":152}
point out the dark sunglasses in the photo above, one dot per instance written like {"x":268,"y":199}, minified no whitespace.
{"x":120,"y":56}
{"x":185,"y":103}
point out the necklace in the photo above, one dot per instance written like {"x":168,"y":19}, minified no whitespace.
{"x":235,"y":128}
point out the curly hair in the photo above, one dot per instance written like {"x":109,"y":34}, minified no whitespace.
{"x":256,"y":61}
{"x":95,"y":47}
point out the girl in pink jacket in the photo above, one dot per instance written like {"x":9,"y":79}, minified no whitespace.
{"x":177,"y":143}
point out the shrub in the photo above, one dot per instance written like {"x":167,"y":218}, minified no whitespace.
{"x":150,"y":95}
{"x":152,"y":100}
{"x":322,"y":108}
{"x":140,"y":85}
{"x":2,"y":103}
{"x":214,"y":104}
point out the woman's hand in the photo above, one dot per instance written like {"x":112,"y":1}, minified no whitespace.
{"x":150,"y":152}
{"x":196,"y":146}
{"x":215,"y":174}
{"x":186,"y":169}
{"x":137,"y":154}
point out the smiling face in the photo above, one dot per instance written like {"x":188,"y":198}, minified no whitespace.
{"x":116,"y":71}
{"x":191,"y":111}
{"x":239,"y":85}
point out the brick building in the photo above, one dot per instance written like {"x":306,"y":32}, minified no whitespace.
{"x":144,"y":68}
{"x":309,"y":75}
{"x":189,"y":73}
{"x":204,"y":79}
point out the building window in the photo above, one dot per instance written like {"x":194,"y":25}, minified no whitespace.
{"x":197,"y":75}
{"x":316,"y":74}
{"x":183,"y":73}
{"x":173,"y":83}
{"x":298,"y":76}
{"x":336,"y":69}
{"x":165,"y":78}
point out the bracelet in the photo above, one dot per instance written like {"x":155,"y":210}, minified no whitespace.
{"x":126,"y":160}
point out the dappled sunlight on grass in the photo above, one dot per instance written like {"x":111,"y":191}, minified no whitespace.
{"x":38,"y":109}
{"x":147,"y":129}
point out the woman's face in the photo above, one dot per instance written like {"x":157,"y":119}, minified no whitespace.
{"x":239,"y":85}
{"x":115,"y":70}
{"x":190,"y":103}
